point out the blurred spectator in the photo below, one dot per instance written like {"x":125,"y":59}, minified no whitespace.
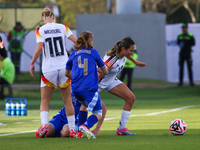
{"x":8,"y":69}
{"x":185,"y":41}
{"x":16,"y":39}
{"x":129,"y":68}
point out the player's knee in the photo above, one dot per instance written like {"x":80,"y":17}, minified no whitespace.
{"x":131,"y":99}
{"x":99,"y":116}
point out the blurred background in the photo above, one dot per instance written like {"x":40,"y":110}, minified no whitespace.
{"x":153,"y":24}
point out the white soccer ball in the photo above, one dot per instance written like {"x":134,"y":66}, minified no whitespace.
{"x":178,"y":127}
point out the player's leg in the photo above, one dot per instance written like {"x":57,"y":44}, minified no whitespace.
{"x":18,"y":58}
{"x":82,"y":112}
{"x":48,"y":83}
{"x":91,"y":98}
{"x":2,"y":81}
{"x":190,"y":72}
{"x":46,"y":93}
{"x":14,"y":60}
{"x":181,"y":65}
{"x":90,"y":122}
{"x":67,"y":100}
{"x":82,"y":117}
{"x":121,"y":90}
{"x":65,"y":88}
{"x":66,"y":96}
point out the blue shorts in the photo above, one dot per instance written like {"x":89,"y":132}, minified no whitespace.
{"x":85,"y":97}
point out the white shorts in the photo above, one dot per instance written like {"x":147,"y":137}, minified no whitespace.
{"x":54,"y":79}
{"x":112,"y":85}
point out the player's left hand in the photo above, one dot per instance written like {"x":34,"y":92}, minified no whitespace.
{"x":99,"y":70}
{"x":140,"y":64}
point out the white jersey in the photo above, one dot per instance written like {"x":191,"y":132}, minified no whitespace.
{"x":53,"y":35}
{"x":112,"y":72}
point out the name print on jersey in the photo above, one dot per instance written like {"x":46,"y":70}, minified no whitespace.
{"x":54,"y":31}
{"x":83,"y":51}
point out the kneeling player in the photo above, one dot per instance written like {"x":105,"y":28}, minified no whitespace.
{"x":58,"y":125}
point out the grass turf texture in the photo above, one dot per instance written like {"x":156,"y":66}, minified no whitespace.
{"x":152,"y":131}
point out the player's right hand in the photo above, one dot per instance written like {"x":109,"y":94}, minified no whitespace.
{"x":32,"y":70}
{"x":96,"y":131}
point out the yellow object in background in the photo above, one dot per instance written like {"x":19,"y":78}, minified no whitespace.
{"x":1,"y":65}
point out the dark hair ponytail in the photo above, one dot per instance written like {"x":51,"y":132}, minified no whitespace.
{"x":126,"y":42}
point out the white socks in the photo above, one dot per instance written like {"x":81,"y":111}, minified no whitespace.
{"x":44,"y":115}
{"x":71,"y":122}
{"x":124,"y":118}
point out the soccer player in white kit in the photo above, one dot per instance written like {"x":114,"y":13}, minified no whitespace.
{"x":115,"y":60}
{"x":51,"y":39}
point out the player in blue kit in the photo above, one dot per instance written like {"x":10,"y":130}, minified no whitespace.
{"x":58,"y":126}
{"x":81,"y":68}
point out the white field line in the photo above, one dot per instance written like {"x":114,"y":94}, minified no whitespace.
{"x":19,"y":122}
{"x":17,"y":133}
{"x":149,"y":114}
{"x":35,"y":120}
{"x":157,"y":113}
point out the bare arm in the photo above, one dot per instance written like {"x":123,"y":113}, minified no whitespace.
{"x":68,"y":73}
{"x":104,"y":70}
{"x":100,"y":75}
{"x":101,"y":72}
{"x":137,"y":63}
{"x":36,"y":55}
{"x":99,"y":124}
{"x":72,"y":38}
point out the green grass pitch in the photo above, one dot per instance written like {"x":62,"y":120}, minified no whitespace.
{"x":152,"y":130}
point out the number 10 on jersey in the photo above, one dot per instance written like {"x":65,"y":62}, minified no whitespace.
{"x":54,"y":42}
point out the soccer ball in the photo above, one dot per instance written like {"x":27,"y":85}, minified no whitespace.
{"x":178,"y":127}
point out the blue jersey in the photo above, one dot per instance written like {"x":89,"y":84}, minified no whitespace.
{"x":82,"y":63}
